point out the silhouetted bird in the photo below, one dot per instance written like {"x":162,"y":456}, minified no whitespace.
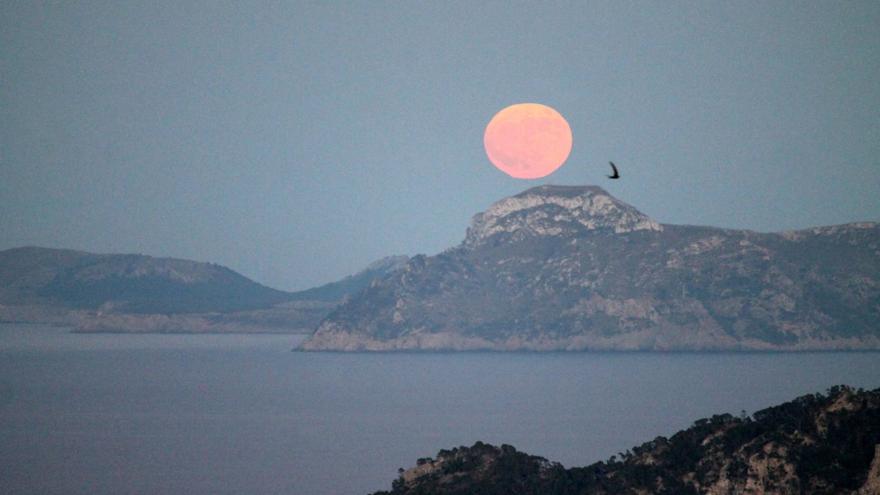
{"x":616,"y":175}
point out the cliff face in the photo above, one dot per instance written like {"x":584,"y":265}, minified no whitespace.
{"x":572,"y":268}
{"x":815,"y":444}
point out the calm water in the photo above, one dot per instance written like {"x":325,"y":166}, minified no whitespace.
{"x":156,"y":414}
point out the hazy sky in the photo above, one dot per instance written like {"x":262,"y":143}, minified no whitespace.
{"x":297,"y":142}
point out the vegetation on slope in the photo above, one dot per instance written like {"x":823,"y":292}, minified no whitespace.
{"x":814,"y":444}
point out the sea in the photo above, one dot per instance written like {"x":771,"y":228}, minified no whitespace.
{"x":244,"y":414}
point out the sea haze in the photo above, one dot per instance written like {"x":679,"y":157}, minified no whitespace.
{"x":110,"y":414}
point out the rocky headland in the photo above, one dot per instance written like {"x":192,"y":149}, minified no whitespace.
{"x":573,"y":268}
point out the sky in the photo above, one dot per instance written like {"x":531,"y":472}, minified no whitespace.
{"x":297,"y":142}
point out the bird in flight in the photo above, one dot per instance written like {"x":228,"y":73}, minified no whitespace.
{"x":616,"y":175}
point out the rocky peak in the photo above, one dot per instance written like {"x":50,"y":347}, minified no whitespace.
{"x":556,"y":211}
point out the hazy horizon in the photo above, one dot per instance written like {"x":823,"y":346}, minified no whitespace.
{"x":273,"y":137}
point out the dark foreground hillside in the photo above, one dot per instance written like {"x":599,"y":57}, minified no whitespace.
{"x":814,"y":444}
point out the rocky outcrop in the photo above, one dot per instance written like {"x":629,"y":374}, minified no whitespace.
{"x":572,"y":268}
{"x":557,"y":211}
{"x":872,"y":481}
{"x":817,"y":444}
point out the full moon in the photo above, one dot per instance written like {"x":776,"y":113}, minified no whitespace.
{"x":527,"y":140}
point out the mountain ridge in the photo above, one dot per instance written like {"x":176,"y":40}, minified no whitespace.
{"x":335,"y":291}
{"x":141,"y":293}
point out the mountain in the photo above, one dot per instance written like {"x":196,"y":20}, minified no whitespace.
{"x":128,"y":282}
{"x":137,"y":293}
{"x":817,"y":444}
{"x":352,"y":284}
{"x":573,"y":268}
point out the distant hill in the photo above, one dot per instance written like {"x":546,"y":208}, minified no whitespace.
{"x":573,"y":268}
{"x":128,"y":292}
{"x":127,"y":282}
{"x":352,"y":284}
{"x":816,"y":444}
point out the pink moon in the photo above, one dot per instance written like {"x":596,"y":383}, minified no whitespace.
{"x":527,"y":140}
